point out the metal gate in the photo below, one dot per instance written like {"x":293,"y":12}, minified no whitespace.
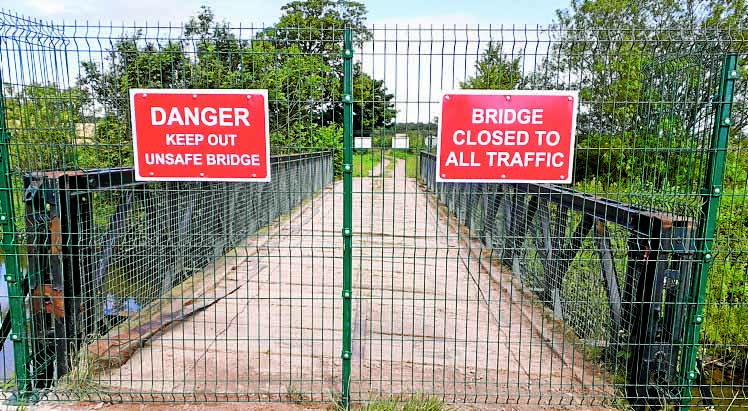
{"x":354,"y":275}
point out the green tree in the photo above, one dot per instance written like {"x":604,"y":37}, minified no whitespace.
{"x":135,"y":63}
{"x":626,"y":55}
{"x":373,"y":105}
{"x":494,"y":70}
{"x":298,"y":61}
{"x":42,"y":120}
{"x":317,"y":26}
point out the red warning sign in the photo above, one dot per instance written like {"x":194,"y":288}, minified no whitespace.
{"x":200,"y":135}
{"x":507,"y":136}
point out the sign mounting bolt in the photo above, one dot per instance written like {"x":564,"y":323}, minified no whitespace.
{"x":446,"y":97}
{"x":508,"y":98}
{"x":571,"y":98}
{"x":254,"y":175}
{"x":151,"y":173}
{"x":194,"y":96}
{"x":145,"y":95}
{"x":563,"y":177}
{"x":503,"y":176}
{"x":202,"y":174}
{"x":249,"y":97}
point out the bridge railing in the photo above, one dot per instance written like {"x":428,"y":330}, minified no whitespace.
{"x":613,"y":272}
{"x":117,"y":246}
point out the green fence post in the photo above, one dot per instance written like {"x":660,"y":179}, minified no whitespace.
{"x":711,"y":191}
{"x":347,"y":211}
{"x":13,"y":276}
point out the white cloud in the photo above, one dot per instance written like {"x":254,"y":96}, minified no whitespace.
{"x":46,"y":7}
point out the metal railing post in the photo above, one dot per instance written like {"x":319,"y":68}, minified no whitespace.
{"x":13,"y":275}
{"x":347,"y":211}
{"x":711,"y":192}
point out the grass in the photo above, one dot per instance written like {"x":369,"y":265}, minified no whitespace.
{"x":81,"y":382}
{"x":402,"y":403}
{"x":363,"y":163}
{"x":295,"y":395}
{"x":412,"y":161}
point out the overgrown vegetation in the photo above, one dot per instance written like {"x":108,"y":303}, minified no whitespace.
{"x":647,"y":117}
{"x":402,"y":403}
{"x":364,"y":163}
{"x":298,"y":60}
{"x":412,"y":161}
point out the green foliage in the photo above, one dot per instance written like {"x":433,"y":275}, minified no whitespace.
{"x":298,"y":61}
{"x":364,"y":163}
{"x":134,"y":63}
{"x":42,"y":120}
{"x":403,"y":403}
{"x":316,"y":26}
{"x":430,"y":128}
{"x":608,"y":53}
{"x":726,"y":312}
{"x":373,"y":106}
{"x":107,"y":148}
{"x":494,"y":70}
{"x":641,"y":133}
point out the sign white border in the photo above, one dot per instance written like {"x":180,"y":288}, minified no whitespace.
{"x":138,"y":177}
{"x":572,"y":93}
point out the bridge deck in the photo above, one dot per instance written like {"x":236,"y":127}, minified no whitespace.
{"x":431,"y":314}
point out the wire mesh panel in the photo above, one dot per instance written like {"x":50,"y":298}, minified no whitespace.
{"x":177,"y":291}
{"x":541,"y":294}
{"x":355,"y":275}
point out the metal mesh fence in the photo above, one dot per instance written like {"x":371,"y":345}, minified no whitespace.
{"x":587,"y":260}
{"x":521,"y":293}
{"x":137,"y":248}
{"x":178,"y":291}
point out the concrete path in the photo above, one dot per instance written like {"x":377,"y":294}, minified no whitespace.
{"x":431,"y":314}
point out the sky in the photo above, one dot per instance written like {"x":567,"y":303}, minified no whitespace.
{"x":416,"y":12}
{"x":417,"y":66}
